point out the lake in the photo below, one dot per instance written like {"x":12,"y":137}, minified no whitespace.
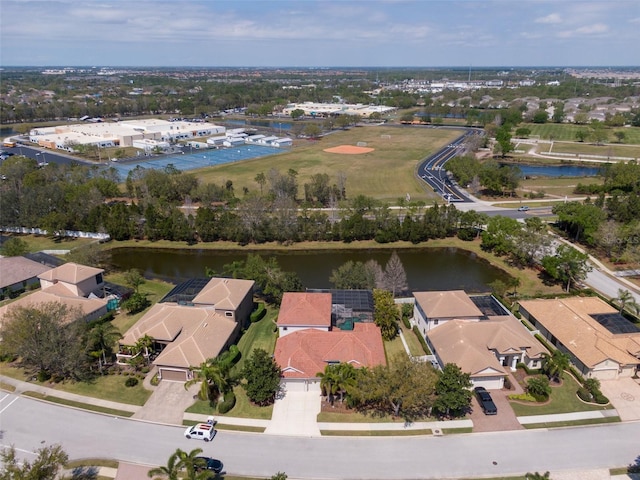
{"x":426,"y":268}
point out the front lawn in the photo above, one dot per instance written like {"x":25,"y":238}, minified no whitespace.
{"x":563,"y":400}
{"x":243,"y":408}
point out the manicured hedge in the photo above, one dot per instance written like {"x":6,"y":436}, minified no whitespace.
{"x":228,"y":403}
{"x":259,"y":313}
{"x":423,"y":342}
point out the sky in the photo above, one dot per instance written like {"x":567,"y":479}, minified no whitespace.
{"x":319,"y":33}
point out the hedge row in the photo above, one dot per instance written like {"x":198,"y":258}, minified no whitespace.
{"x":259,"y":313}
{"x":423,"y":342}
{"x":228,"y":403}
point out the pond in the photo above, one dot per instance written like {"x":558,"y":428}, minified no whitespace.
{"x":426,"y":268}
{"x":557,"y":170}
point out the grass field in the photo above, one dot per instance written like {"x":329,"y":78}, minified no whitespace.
{"x":36,"y":243}
{"x":585,"y":148}
{"x":386,"y":173}
{"x":567,"y":132}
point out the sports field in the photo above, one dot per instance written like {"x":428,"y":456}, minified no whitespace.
{"x":386,"y":173}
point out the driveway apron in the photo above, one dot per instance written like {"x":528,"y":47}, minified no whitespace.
{"x":167,"y":403}
{"x":296,"y":414}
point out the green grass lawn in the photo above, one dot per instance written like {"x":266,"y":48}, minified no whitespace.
{"x":563,"y":400}
{"x":107,"y":387}
{"x":259,"y":335}
{"x":412,"y":341}
{"x":154,"y":289}
{"x":243,"y":408}
{"x":356,"y":417}
{"x":36,"y":243}
{"x":84,"y":406}
{"x":386,"y":173}
{"x":393,"y":348}
{"x":567,"y":131}
{"x":586,"y":148}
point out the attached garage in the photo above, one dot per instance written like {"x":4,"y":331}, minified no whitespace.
{"x":173,"y":375}
{"x":301,"y":385}
{"x":490,"y":383}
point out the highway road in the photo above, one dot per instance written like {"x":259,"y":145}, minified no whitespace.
{"x":431,"y":170}
{"x":28,"y":424}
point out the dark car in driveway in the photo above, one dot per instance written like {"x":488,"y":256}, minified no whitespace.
{"x":485,"y":401}
{"x":207,"y":463}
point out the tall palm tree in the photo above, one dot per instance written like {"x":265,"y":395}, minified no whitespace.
{"x":171,"y":471}
{"x":626,"y":299}
{"x":143,"y":345}
{"x":102,"y":338}
{"x":346,"y":376}
{"x":189,"y":463}
{"x":214,"y":380}
{"x":555,"y":364}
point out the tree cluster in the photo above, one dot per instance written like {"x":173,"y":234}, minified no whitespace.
{"x":494,"y":178}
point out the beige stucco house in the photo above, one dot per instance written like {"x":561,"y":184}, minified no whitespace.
{"x":601,"y":342}
{"x":193,"y":323}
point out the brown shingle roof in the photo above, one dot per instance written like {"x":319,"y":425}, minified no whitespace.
{"x":305,"y":309}
{"x":224,"y":293}
{"x":305,"y":353}
{"x":19,"y":269}
{"x":73,"y":273}
{"x":570,"y":321}
{"x":447,"y":304}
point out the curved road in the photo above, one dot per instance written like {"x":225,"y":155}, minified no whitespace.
{"x":28,"y":424}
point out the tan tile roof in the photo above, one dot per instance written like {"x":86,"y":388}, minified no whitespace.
{"x":87,"y":305}
{"x":73,"y":273}
{"x":305,"y":309}
{"x":224,"y":293}
{"x":570,"y":321}
{"x":18,"y":269}
{"x":193,"y":334}
{"x":447,"y":304}
{"x":469,"y":344}
{"x":304,"y":353}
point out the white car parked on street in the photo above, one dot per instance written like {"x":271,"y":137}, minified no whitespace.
{"x":201,"y":431}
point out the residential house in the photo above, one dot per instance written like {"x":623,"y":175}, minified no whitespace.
{"x":302,"y":311}
{"x":193,"y":323}
{"x":438,"y":307}
{"x":308,"y":342}
{"x":477,"y":333}
{"x":19,"y":273}
{"x":602,"y":344}
{"x":76,"y":286}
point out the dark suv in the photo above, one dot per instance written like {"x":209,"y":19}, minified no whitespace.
{"x":485,"y":401}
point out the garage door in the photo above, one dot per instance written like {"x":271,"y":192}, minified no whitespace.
{"x":301,"y":385}
{"x":490,"y":383}
{"x":173,"y":375}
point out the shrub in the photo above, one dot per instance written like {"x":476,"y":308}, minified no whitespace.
{"x":539,"y":388}
{"x":43,"y":376}
{"x":154,"y":381}
{"x":584,"y":394}
{"x":259,"y":313}
{"x":423,"y":342}
{"x":523,"y":397}
{"x":228,"y":403}
{"x":131,"y":382}
{"x":599,"y":398}
{"x":466,"y":234}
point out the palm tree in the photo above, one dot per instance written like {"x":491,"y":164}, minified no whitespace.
{"x":144,"y":344}
{"x":214,"y":378}
{"x":555,"y":364}
{"x":346,"y":377}
{"x":329,"y":382}
{"x":102,"y":338}
{"x":171,"y":471}
{"x":626,"y":299}
{"x":189,"y":463}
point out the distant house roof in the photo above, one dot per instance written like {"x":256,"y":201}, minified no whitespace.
{"x":86,"y":305}
{"x":193,"y":335}
{"x":471,"y":345}
{"x":305,"y":353}
{"x":447,"y":304}
{"x":224,"y":293}
{"x":572,"y":321}
{"x":73,"y":273}
{"x":19,"y":269}
{"x":305,"y":309}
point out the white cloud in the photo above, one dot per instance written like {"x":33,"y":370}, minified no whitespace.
{"x":597,"y":29}
{"x":552,"y":18}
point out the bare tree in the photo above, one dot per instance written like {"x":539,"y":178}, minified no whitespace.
{"x":395,"y":277}
{"x":376,"y":273}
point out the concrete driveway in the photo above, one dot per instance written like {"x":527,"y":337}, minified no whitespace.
{"x":167,"y":403}
{"x":296,"y":414}
{"x":624,"y":395}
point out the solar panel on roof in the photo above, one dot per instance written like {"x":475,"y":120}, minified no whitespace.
{"x":615,"y":323}
{"x":186,"y":291}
